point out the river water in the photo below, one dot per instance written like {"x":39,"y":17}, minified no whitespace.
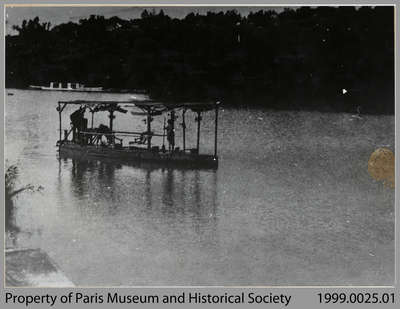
{"x":291,"y":203}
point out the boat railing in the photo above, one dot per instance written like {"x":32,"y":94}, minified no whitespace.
{"x":122,"y":133}
{"x":113,"y":134}
{"x":66,"y":135}
{"x":141,"y":137}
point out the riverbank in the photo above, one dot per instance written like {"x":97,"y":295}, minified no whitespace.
{"x":33,"y":268}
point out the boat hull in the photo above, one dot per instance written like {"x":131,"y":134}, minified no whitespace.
{"x":138,"y":156}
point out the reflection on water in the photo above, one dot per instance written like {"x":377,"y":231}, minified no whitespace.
{"x":290,"y":203}
{"x":140,"y":214}
{"x":180,"y":191}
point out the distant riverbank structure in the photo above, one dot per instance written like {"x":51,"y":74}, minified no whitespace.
{"x":58,"y":86}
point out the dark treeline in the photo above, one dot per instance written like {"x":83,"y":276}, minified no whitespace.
{"x":297,"y":59}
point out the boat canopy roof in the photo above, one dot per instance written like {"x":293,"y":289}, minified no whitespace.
{"x":148,"y":105}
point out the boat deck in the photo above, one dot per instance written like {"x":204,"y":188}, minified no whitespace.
{"x":132,"y":154}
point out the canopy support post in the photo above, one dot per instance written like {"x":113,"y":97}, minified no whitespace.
{"x":59,"y":117}
{"x":60,"y":110}
{"x":111,"y":116}
{"x":111,"y":124}
{"x":184,"y":129}
{"x":92,"y":111}
{"x":148,"y":129}
{"x":198,"y":119}
{"x":172,"y":119}
{"x":216,"y":130}
{"x":163,"y":137}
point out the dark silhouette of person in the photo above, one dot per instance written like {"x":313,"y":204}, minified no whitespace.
{"x":79,"y":123}
{"x":170,"y":135}
{"x":106,"y":131}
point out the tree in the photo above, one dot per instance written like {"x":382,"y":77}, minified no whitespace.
{"x":11,"y":193}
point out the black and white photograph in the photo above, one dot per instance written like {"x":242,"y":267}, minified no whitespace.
{"x":199,"y":145}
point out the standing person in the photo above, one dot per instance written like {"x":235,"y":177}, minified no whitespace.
{"x":78,"y":122}
{"x":170,"y":135}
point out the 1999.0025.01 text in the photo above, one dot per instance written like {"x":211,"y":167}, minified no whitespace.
{"x":356,"y":298}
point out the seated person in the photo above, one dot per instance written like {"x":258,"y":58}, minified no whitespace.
{"x":142,"y":139}
{"x":102,"y":129}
